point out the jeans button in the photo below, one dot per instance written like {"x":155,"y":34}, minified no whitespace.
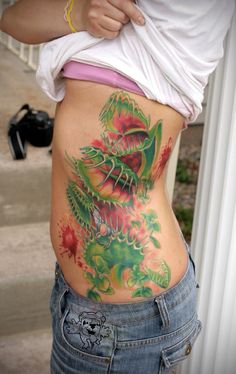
{"x":188,"y":349}
{"x":57,"y":274}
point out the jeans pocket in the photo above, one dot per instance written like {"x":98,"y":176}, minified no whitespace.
{"x":68,"y":355}
{"x":178,"y":352}
{"x":78,"y":338}
{"x":82,"y":334}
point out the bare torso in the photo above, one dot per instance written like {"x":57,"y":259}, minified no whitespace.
{"x":112,"y":226}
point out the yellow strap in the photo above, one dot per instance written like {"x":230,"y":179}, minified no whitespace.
{"x":68,"y":11}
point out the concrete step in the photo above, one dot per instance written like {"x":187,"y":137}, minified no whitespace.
{"x":24,"y":193}
{"x":26,"y":277}
{"x":26,"y":353}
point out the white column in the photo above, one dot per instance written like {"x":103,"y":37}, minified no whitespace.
{"x":214,"y":231}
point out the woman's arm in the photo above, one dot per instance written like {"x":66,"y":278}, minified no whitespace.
{"x":34,"y":21}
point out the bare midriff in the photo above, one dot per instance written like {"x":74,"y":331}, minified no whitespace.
{"x":113,"y":229}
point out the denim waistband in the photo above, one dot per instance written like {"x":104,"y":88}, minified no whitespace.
{"x":170,"y":298}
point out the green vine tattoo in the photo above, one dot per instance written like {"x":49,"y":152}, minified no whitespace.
{"x":114,"y":233}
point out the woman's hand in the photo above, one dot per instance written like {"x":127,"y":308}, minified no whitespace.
{"x":34,"y":21}
{"x":105,"y":18}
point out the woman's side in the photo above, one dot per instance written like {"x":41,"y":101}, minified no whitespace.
{"x":112,"y":227}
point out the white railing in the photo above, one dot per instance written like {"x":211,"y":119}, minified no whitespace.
{"x":27,"y":53}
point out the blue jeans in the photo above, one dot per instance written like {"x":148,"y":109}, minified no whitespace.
{"x":150,"y":336}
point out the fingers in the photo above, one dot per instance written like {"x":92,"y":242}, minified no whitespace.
{"x":105,"y":18}
{"x":103,"y":33}
{"x":129,"y":9}
{"x":116,"y":14}
{"x":111,"y":24}
{"x":104,"y":27}
{"x":107,"y":28}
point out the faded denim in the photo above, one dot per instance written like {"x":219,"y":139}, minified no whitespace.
{"x":148,"y":337}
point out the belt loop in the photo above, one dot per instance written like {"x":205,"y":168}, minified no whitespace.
{"x":61,"y":302}
{"x":165,"y":319}
{"x":192,"y":262}
{"x":57,"y":271}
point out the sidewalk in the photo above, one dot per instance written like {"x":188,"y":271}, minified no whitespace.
{"x":26,"y":353}
{"x":27,"y":260}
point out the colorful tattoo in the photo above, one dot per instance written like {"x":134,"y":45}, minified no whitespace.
{"x":110,"y":234}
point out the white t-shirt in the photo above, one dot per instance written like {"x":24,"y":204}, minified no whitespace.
{"x":170,"y":57}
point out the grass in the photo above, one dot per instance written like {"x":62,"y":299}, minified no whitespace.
{"x":186,"y":174}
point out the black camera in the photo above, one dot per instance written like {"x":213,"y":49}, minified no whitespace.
{"x":35,"y":127}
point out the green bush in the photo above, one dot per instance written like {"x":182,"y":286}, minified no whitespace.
{"x":185,"y":219}
{"x":182,"y":173}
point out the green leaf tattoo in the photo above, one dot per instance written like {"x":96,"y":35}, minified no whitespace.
{"x":161,"y":277}
{"x":142,"y":292}
{"x":89,"y":277}
{"x":151,"y":221}
{"x":93,"y":295}
{"x":100,"y":265}
{"x":155,"y":241}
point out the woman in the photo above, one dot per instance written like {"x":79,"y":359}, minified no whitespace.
{"x":124,"y":299}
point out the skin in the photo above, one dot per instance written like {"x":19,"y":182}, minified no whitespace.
{"x":30,"y":21}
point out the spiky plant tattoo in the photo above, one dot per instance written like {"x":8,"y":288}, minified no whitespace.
{"x":107,"y":199}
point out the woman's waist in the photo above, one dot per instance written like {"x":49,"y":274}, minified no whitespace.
{"x":118,"y":269}
{"x":112,"y":225}
{"x":78,"y":90}
{"x":114,"y":253}
{"x":172,"y":297}
{"x":83,"y":119}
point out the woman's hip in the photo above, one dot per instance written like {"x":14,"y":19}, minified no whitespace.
{"x":152,"y":335}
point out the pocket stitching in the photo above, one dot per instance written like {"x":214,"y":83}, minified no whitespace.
{"x":157,"y":339}
{"x":192,"y":336}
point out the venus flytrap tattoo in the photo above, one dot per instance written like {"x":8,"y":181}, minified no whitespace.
{"x":111,"y":235}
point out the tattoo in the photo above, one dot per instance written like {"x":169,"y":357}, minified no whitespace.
{"x":112,"y":236}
